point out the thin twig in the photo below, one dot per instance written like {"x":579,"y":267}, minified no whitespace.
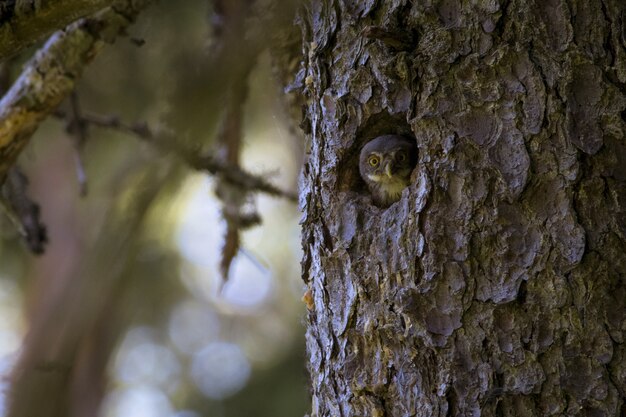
{"x":167,"y":142}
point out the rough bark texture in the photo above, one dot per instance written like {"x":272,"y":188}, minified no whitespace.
{"x":497,"y":285}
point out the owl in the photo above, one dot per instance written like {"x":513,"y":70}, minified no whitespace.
{"x":385,"y":165}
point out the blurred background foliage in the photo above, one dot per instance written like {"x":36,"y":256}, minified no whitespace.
{"x":129,"y":283}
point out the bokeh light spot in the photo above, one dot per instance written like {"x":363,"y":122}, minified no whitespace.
{"x":220,"y":370}
{"x":140,"y":401}
{"x":193,"y":325}
{"x":142,"y":361}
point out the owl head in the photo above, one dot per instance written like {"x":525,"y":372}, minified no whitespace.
{"x":385,"y":165}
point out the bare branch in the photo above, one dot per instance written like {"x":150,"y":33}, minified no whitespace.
{"x":24,"y":22}
{"x":235,"y":200}
{"x":52,"y":74}
{"x":22,"y":211}
{"x":166,"y":142}
{"x":237,"y":176}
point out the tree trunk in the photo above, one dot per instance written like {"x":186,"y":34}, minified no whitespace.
{"x":496,"y":286}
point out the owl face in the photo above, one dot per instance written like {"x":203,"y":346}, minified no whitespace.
{"x":385,"y":165}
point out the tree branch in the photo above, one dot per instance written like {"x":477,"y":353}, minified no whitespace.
{"x":24,"y":22}
{"x":52,"y":74}
{"x":62,"y":323}
{"x":166,"y":142}
{"x":23,"y":211}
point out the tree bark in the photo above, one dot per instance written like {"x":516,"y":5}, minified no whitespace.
{"x":497,"y":285}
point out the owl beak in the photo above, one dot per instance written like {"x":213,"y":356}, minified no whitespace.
{"x":388,"y":169}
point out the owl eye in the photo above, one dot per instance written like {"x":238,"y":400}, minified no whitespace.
{"x":373,"y":160}
{"x":401,"y":157}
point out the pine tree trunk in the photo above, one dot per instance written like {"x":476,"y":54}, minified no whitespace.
{"x":497,"y":285}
